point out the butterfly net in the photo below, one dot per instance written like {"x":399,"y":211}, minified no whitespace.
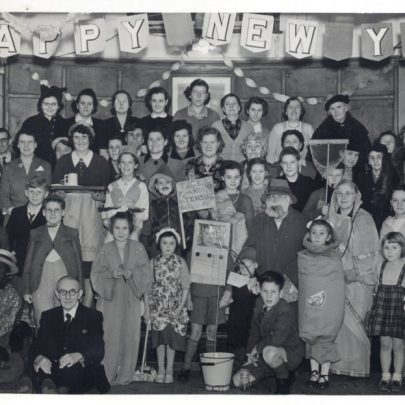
{"x":326,"y":155}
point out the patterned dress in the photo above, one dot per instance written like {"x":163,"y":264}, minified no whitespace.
{"x":170,"y":279}
{"x":387,"y":317}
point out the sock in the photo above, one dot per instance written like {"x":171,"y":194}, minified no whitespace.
{"x":191,"y":348}
{"x":386,"y":376}
{"x":397,"y":377}
{"x":210,"y":346}
{"x":281,"y":371}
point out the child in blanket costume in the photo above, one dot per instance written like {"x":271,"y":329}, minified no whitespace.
{"x":321,"y":302}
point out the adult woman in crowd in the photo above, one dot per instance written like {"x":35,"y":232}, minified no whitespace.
{"x":377,"y":183}
{"x":292,"y":116}
{"x":233,"y":130}
{"x":120,"y":123}
{"x":396,"y":151}
{"x":256,"y":108}
{"x":48,"y":124}
{"x":197,"y":113}
{"x":351,"y":163}
{"x":158,"y":102}
{"x":181,"y":144}
{"x":210,"y":144}
{"x":85,"y":106}
{"x":81,"y":209}
{"x":356,"y":231}
{"x":253,"y":146}
{"x":17,"y":173}
{"x":61,"y":146}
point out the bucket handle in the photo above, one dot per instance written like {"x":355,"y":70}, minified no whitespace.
{"x":203,"y":363}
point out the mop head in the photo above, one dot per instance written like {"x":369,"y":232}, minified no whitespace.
{"x":148,"y":375}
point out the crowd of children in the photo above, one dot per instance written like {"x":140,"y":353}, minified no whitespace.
{"x":132,"y":251}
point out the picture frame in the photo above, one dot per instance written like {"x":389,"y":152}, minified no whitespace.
{"x":218,"y":87}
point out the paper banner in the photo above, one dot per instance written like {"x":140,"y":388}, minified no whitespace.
{"x":257,"y":31}
{"x":45,"y":48}
{"x":89,"y":37}
{"x":195,"y":195}
{"x":179,"y":28}
{"x":376,"y":41}
{"x":218,"y":28}
{"x":338,"y":41}
{"x":10,"y":40}
{"x":133,"y":33}
{"x":300,"y":37}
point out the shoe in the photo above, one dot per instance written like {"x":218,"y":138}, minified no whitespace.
{"x":48,"y":387}
{"x":160,"y":378}
{"x":24,"y":386}
{"x":384,"y":385}
{"x":323,"y":382}
{"x":169,"y":379}
{"x":282,"y":386}
{"x":313,"y":379}
{"x":396,"y":386}
{"x":184,"y":375}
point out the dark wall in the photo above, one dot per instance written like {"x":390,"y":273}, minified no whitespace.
{"x":375,"y":103}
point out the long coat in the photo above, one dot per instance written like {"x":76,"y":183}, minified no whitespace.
{"x":66,"y":244}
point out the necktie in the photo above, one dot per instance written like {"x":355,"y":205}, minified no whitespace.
{"x":31,"y":216}
{"x":80,"y":167}
{"x":68,"y":319}
{"x":4,"y":158}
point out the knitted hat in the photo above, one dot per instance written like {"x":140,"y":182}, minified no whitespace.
{"x":278,"y":186}
{"x":339,"y":98}
{"x":8,"y":258}
{"x":163,"y":172}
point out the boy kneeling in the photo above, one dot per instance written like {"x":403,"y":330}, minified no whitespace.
{"x":273,"y":346}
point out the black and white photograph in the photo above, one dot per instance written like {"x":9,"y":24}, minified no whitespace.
{"x":202,"y":203}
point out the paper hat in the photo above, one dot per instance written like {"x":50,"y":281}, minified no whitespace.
{"x":8,"y":258}
{"x":172,"y":231}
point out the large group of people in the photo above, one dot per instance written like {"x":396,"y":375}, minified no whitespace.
{"x":92,"y":239}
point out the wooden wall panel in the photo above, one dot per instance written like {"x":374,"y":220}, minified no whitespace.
{"x":309,"y":82}
{"x":103,"y":80}
{"x":20,"y":77}
{"x":378,"y":82}
{"x":376,"y":115}
{"x":20,"y":109}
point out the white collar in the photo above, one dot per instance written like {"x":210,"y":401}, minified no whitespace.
{"x":72,"y":312}
{"x":7,"y":155}
{"x":86,"y":159}
{"x":80,"y":119}
{"x":34,"y":210}
{"x":160,"y":115}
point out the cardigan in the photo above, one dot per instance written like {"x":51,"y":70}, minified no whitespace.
{"x":46,"y":131}
{"x":14,"y":180}
{"x":98,"y":173}
{"x":112,"y":127}
{"x":66,"y":244}
{"x":232,"y":149}
{"x":197,"y":124}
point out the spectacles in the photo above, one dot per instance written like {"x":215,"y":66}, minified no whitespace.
{"x":344,"y":194}
{"x":5,"y":140}
{"x":71,"y":292}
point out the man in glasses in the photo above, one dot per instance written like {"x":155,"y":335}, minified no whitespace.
{"x":69,"y":347}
